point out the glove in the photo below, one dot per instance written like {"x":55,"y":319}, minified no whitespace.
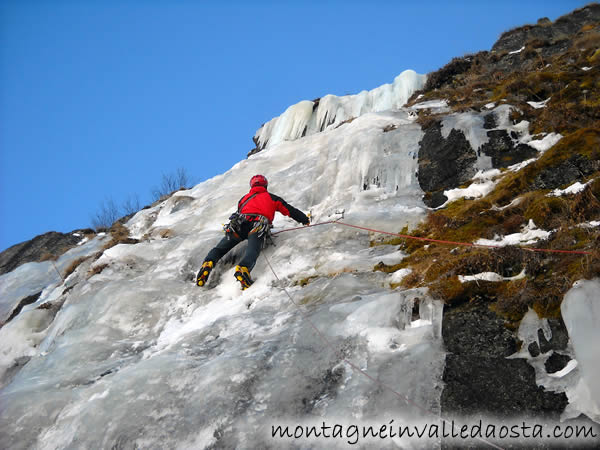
{"x":307,"y":223}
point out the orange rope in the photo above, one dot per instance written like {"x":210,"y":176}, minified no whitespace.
{"x":437,"y":241}
{"x":356,"y":368}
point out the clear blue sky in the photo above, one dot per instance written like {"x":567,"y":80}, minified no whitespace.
{"x":99,"y":98}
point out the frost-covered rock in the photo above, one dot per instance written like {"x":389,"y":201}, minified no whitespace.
{"x":461,"y":145}
{"x":45,"y":246}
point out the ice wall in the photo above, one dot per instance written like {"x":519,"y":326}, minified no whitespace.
{"x":33,"y":277}
{"x":580,"y":310}
{"x":138,"y":356}
{"x":307,"y":117}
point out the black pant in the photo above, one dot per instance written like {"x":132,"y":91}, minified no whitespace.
{"x":228,"y":242}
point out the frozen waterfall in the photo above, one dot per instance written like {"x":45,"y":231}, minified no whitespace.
{"x":308,"y":117}
{"x":138,"y":356}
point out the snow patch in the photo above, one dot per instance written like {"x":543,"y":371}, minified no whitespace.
{"x":548,"y":141}
{"x":539,"y":105}
{"x":521,"y":165}
{"x":592,"y":224}
{"x":515,"y":202}
{"x":484,"y":184}
{"x":490,"y":276}
{"x":573,"y":189}
{"x":431,"y":104}
{"x":529,"y":235}
{"x":399,"y":275}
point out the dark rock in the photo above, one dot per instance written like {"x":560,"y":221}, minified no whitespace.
{"x":575,"y":168}
{"x":22,"y":303}
{"x":123,"y":220}
{"x":257,"y":147}
{"x":562,"y":28}
{"x":499,"y":387}
{"x":556,"y":362}
{"x":544,"y":21}
{"x":503,"y":150}
{"x":473,"y":329}
{"x":537,"y":42}
{"x":444,"y":75}
{"x":534,"y":349}
{"x":489,"y":121}
{"x":46,"y":246}
{"x":559,"y":339}
{"x":435,"y":199}
{"x":254,"y":151}
{"x":479,"y":379}
{"x":444,"y":163}
{"x":556,"y":48}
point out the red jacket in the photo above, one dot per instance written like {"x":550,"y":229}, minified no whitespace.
{"x":265,"y":204}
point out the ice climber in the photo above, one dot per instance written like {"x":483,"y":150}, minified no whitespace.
{"x":252,"y":221}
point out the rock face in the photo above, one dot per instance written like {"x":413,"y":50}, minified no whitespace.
{"x":503,"y":150}
{"x":561,"y":29}
{"x":478,"y":378}
{"x":575,"y":168}
{"x":551,"y":38}
{"x":444,"y":163}
{"x":43,"y":247}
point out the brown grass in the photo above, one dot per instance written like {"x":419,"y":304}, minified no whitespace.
{"x":76,"y":263}
{"x":46,"y":256}
{"x":120,"y":235}
{"x":95,"y":270}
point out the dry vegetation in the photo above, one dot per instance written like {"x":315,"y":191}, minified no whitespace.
{"x":73,"y":266}
{"x":95,"y":270}
{"x":572,"y":82}
{"x":119,"y":235}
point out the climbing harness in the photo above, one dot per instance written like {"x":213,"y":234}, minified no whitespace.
{"x":237,"y":220}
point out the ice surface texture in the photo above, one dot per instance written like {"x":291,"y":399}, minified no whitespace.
{"x":308,"y":117}
{"x":138,"y":355}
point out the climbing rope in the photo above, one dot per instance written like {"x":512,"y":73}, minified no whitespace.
{"x":328,"y":342}
{"x":437,"y":241}
{"x":354,"y":367}
{"x":306,"y":226}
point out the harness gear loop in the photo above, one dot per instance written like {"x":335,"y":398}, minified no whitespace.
{"x":237,"y":220}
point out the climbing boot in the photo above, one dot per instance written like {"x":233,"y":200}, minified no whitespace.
{"x":242,"y":274}
{"x":207,"y":267}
